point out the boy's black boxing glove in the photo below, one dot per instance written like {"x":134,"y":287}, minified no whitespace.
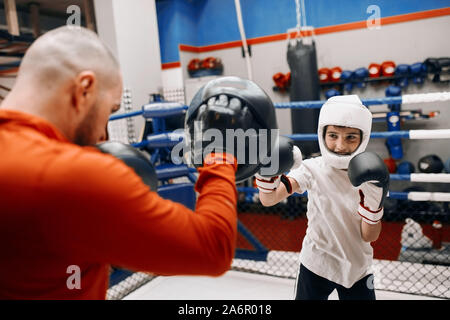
{"x":368,"y":172}
{"x":285,"y":156}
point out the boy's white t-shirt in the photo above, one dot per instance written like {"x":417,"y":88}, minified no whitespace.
{"x":333,"y":247}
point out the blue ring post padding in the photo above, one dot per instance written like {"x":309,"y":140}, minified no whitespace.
{"x":162,"y":109}
{"x":406,"y":177}
{"x":141,"y":144}
{"x":154,"y":156}
{"x":303,"y":136}
{"x":251,"y":254}
{"x":260,"y":254}
{"x":398,"y":195}
{"x":399,"y":134}
{"x":318,"y":104}
{"x":179,"y":192}
{"x":169,"y":171}
{"x":165,"y":112}
{"x":300,"y":105}
{"x":394,"y":143}
{"x":247,"y":189}
{"x":158,"y":125}
{"x":250,"y":237}
{"x":118,"y":275}
{"x":153,"y":110}
{"x":192,"y":177}
{"x":378,"y":101}
{"x":304,"y":194}
{"x":125,"y":115}
{"x":161,"y":140}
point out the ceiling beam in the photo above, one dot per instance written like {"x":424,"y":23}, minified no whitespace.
{"x":11,"y":17}
{"x":35,"y":19}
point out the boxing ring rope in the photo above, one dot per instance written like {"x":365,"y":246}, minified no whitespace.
{"x":410,"y":134}
{"x":154,"y":110}
{"x":423,"y":177}
{"x":164,"y":109}
{"x":404,"y":99}
{"x":411,"y":195}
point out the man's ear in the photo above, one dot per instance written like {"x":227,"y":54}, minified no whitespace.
{"x":85,"y":90}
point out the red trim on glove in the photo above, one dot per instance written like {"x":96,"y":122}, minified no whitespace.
{"x":364,"y":217}
{"x":259,"y":187}
{"x":272,"y":179}
{"x":361,"y":203}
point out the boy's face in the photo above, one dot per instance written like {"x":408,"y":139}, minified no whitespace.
{"x":342,"y":140}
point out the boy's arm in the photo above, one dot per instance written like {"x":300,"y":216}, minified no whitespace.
{"x":370,"y":232}
{"x":280,"y":193}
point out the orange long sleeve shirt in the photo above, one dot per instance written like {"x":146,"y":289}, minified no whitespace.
{"x":64,"y":205}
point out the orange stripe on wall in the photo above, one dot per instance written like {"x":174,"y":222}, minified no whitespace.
{"x":416,"y":16}
{"x":322,"y":30}
{"x":185,"y":47}
{"x":169,"y":65}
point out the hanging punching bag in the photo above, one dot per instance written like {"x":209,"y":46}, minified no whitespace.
{"x":302,"y":61}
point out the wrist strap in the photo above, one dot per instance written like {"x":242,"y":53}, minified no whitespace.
{"x":369,"y":216}
{"x":287,"y":183}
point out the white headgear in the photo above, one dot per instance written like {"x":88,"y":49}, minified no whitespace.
{"x":346,"y":111}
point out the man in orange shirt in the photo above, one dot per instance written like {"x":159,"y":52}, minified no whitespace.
{"x":65,"y":206}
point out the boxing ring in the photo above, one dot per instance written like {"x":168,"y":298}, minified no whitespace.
{"x":419,"y":268}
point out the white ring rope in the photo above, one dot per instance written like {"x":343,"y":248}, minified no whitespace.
{"x":430,"y":177}
{"x":429,"y":134}
{"x":428,"y":196}
{"x":425,"y":97}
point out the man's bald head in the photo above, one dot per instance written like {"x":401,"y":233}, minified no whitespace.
{"x":61,"y":54}
{"x":70,"y":78}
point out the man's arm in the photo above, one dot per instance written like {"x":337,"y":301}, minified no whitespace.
{"x":108,"y":215}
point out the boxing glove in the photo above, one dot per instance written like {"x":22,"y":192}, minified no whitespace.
{"x":360,"y":76}
{"x":368,"y":172}
{"x":403,"y":72}
{"x":285,"y":156}
{"x":374,"y":70}
{"x":231,"y":116}
{"x":346,"y":78}
{"x":134,"y":159}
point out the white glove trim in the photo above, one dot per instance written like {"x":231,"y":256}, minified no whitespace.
{"x":267,"y":185}
{"x":369,"y":216}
